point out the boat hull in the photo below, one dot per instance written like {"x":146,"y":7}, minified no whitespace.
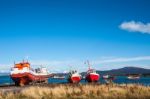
{"x":27,"y":78}
{"x":75,"y":79}
{"x":92,"y":77}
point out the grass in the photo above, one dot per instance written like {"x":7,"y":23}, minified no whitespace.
{"x":87,"y":91}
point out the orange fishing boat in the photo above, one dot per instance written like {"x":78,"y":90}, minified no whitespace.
{"x":23,"y":74}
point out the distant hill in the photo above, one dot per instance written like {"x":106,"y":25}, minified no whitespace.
{"x":125,"y":71}
{"x":4,"y":74}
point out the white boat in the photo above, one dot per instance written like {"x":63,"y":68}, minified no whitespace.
{"x":133,"y":77}
{"x":105,"y":76}
{"x":59,"y":77}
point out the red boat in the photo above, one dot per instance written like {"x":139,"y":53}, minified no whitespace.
{"x":74,"y":77}
{"x":91,"y":75}
{"x":23,"y":74}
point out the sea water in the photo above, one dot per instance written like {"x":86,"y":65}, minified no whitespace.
{"x":119,"y":79}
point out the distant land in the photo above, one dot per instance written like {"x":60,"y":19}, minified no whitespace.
{"x":4,"y":74}
{"x":125,"y":71}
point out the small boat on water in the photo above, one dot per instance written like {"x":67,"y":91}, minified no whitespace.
{"x":91,"y":75}
{"x":58,"y":77}
{"x":74,"y":77}
{"x":105,"y":76}
{"x":133,"y":77}
{"x":23,"y":74}
{"x":108,"y":77}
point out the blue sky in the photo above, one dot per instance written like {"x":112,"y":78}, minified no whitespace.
{"x":109,"y":33}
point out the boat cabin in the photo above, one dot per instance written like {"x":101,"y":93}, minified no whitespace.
{"x":91,"y":71}
{"x":72,"y":72}
{"x":21,"y":65}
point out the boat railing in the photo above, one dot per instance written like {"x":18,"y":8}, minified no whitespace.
{"x":91,"y":71}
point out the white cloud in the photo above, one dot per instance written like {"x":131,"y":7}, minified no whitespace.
{"x":112,"y":62}
{"x":58,"y":65}
{"x":116,"y":60}
{"x":53,"y":62}
{"x":133,"y":26}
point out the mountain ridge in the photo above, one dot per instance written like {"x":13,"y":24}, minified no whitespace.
{"x":125,"y":71}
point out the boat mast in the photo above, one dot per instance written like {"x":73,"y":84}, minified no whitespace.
{"x":27,"y":57}
{"x":88,"y":64}
{"x":14,"y":63}
{"x":23,"y":61}
{"x":70,"y":67}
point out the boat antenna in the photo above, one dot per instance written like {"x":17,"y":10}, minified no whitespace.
{"x":14,"y":63}
{"x":87,"y":62}
{"x":26,"y":58}
{"x":70,"y":67}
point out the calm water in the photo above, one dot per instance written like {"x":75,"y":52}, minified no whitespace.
{"x":119,"y":80}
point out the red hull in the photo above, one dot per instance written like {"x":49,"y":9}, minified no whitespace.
{"x":75,"y":79}
{"x":26,"y":78}
{"x":92,"y":77}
